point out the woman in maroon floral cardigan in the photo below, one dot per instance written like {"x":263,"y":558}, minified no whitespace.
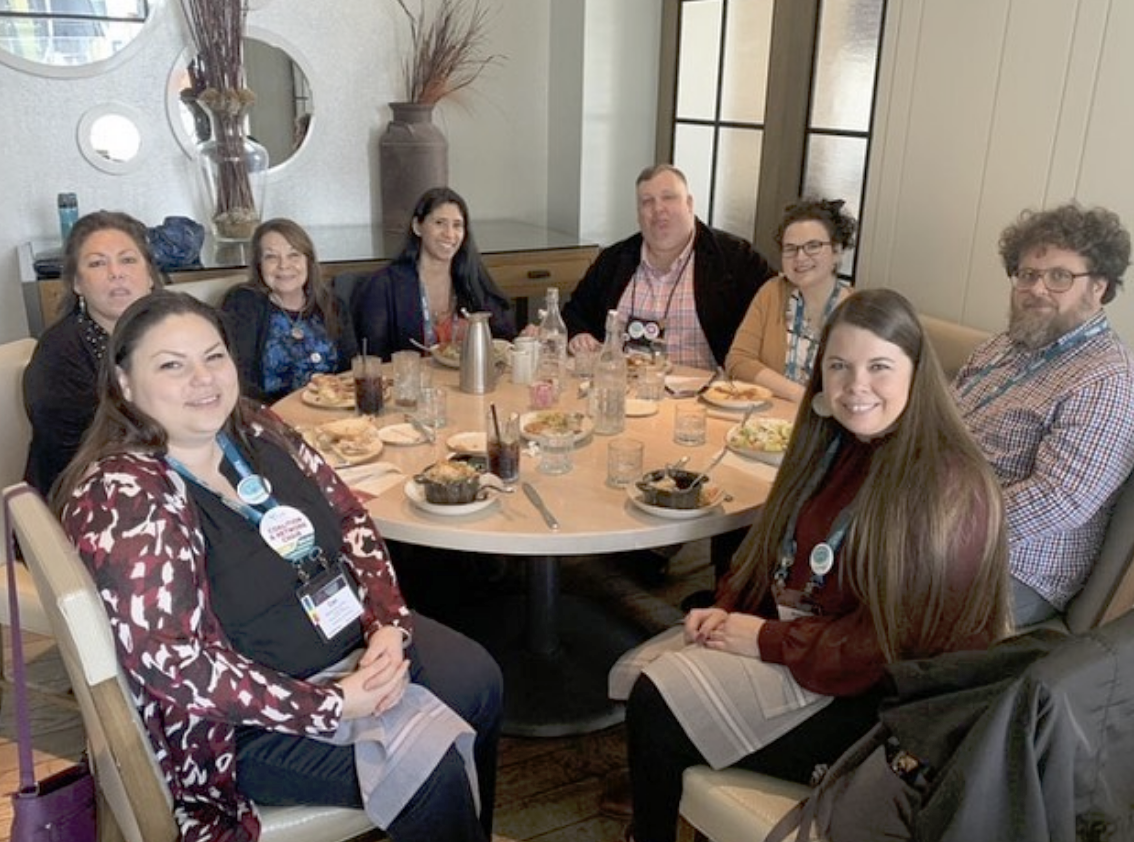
{"x":202,"y":520}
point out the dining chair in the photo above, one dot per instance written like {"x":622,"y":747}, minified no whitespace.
{"x":14,"y":422}
{"x":130,"y":782}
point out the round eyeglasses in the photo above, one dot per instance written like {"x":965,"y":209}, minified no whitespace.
{"x":1054,"y":280}
{"x":810,"y":248}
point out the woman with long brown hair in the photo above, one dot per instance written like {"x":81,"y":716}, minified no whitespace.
{"x":255,"y":610}
{"x":285,"y":319}
{"x":882,"y":539}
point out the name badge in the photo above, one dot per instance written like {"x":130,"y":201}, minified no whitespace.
{"x":643,"y":334}
{"x":288,"y":531}
{"x":330,"y":601}
{"x":821,"y":559}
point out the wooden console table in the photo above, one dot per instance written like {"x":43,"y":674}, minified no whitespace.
{"x":524,"y":260}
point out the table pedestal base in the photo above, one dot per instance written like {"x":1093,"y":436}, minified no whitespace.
{"x":561,"y":691}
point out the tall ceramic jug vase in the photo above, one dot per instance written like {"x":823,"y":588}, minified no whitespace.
{"x":413,"y":156}
{"x":233,"y":166}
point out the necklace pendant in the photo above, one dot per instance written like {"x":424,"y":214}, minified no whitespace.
{"x":297,"y":333}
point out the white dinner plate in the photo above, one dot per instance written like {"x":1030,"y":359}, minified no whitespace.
{"x":363,"y":443}
{"x":742,"y":397}
{"x":470,"y":442}
{"x":715,"y":492}
{"x":450,"y":356}
{"x":416,"y":495}
{"x":639,"y":408}
{"x":768,"y":456}
{"x":585,"y":425}
{"x":401,"y":434}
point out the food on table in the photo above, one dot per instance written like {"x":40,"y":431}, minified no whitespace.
{"x":349,"y":440}
{"x":448,"y":353}
{"x":770,"y":435}
{"x":553,"y":421}
{"x":737,"y":393}
{"x":674,"y":489}
{"x":450,"y":482}
{"x":334,"y":390}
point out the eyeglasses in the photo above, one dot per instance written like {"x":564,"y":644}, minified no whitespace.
{"x":1054,"y":280}
{"x":810,"y":248}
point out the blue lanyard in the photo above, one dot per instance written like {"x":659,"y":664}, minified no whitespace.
{"x":794,"y":371}
{"x":1063,"y":345}
{"x":234,"y":457}
{"x":839,"y":527}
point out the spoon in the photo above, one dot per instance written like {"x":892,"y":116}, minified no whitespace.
{"x":673,"y":466}
{"x":704,"y":475}
{"x":421,"y":346}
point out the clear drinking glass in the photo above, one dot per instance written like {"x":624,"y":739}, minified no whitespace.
{"x":407,"y":378}
{"x":504,"y":450}
{"x":689,"y":421}
{"x":556,"y":453}
{"x":432,"y":407}
{"x":367,"y":374}
{"x":623,"y":462}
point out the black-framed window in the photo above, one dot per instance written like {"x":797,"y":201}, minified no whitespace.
{"x":772,"y":100}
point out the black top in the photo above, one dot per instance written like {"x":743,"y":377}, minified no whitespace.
{"x":61,"y":394}
{"x":727,"y":272}
{"x":253,"y":588}
{"x":248,"y":312}
{"x":386,"y":308}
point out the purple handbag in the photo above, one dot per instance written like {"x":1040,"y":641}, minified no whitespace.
{"x":60,"y":808}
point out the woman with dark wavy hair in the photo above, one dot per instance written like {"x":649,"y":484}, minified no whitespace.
{"x":255,"y":611}
{"x":438,"y":273}
{"x":107,"y":265}
{"x":882,"y":539}
{"x":775,"y":345}
{"x":285,"y":319}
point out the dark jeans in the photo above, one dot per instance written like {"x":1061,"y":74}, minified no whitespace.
{"x":660,"y":751}
{"x":283,"y":769}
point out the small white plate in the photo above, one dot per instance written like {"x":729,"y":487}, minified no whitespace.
{"x":716,"y":495}
{"x":639,"y":408}
{"x":450,"y":356}
{"x":683,"y":387}
{"x":401,"y":434}
{"x":586,"y":425}
{"x":416,"y":495}
{"x":470,"y":442}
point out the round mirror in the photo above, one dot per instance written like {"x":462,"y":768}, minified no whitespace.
{"x":275,"y":73}
{"x":70,"y":38}
{"x":110,"y":137}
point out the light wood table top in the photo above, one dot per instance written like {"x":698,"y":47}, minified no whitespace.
{"x":593,"y":517}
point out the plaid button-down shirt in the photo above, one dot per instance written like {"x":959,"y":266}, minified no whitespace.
{"x":651,"y":295}
{"x":1059,"y":433}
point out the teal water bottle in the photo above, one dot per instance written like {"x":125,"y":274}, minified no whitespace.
{"x":68,"y":214}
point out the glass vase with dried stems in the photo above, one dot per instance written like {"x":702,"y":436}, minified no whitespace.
{"x":234,"y":166}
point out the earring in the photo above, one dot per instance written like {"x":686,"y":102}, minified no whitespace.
{"x":820,"y":405}
{"x":82,"y":304}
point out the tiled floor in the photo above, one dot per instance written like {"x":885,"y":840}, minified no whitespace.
{"x":549,"y":789}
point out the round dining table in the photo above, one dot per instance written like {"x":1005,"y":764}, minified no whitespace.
{"x":554,"y":650}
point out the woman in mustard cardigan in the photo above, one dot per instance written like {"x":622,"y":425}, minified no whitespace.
{"x":775,"y":344}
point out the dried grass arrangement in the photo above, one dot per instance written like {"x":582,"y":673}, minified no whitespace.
{"x":217,"y":27}
{"x":447,"y":52}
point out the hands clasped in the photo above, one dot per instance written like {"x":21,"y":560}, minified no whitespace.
{"x":380,"y":679}
{"x":715,"y":628}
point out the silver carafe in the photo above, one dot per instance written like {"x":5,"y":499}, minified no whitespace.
{"x":478,"y":362}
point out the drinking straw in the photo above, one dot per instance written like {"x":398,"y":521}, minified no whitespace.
{"x":364,"y":346}
{"x":496,"y":423}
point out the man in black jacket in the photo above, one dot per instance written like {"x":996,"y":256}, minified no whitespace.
{"x":677,"y":284}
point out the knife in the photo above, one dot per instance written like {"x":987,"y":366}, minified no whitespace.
{"x":537,"y":501}
{"x":416,"y":423}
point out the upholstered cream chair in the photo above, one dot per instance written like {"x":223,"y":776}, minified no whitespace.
{"x":16,"y":435}
{"x":130,"y":782}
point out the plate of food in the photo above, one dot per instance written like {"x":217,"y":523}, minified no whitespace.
{"x":736,"y":395}
{"x":330,"y":391}
{"x":636,"y":362}
{"x":402,"y":434}
{"x":449,"y":354}
{"x":347,"y":441}
{"x":710,"y":497}
{"x":470,"y":442}
{"x":415,"y":491}
{"x":763,"y":439}
{"x":535,"y":424}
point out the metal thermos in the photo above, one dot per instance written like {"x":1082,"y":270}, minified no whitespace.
{"x":478,"y":362}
